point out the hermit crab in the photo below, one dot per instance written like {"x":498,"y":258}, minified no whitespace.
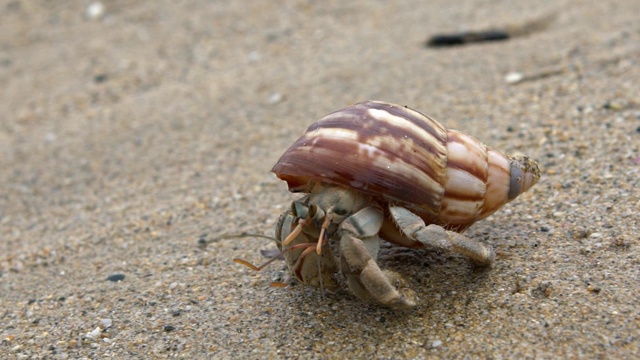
{"x":378,"y":171}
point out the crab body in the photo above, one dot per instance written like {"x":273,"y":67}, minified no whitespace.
{"x":375,"y":171}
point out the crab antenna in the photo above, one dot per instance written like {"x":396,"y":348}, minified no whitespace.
{"x":244,"y":235}
{"x":320,"y":278}
{"x":325,"y":225}
{"x":296,"y":231}
{"x":258,"y":268}
{"x":253,"y":267}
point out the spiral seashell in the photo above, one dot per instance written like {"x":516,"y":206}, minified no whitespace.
{"x":403,"y":157}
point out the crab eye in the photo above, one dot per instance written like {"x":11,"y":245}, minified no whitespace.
{"x":339,"y":211}
{"x":299,"y":209}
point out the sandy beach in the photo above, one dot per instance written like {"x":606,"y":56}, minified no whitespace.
{"x":134,"y":134}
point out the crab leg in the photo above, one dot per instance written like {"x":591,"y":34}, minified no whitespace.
{"x":414,"y":228}
{"x":359,"y":244}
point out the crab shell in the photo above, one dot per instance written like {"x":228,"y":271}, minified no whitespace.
{"x":403,"y":157}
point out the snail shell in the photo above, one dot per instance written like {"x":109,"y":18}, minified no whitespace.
{"x":402,"y":156}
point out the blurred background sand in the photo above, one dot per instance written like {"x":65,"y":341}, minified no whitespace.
{"x":132,"y":132}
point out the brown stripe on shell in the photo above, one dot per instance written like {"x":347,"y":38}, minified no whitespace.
{"x":466,"y":187}
{"x":462,"y":185}
{"x":409,"y":132}
{"x":396,"y":140}
{"x":467,"y":172}
{"x":369,"y":124}
{"x":459,"y":212}
{"x":497,"y":183}
{"x":374,"y":152}
{"x":471,"y":154}
{"x":419,"y":119}
{"x":372,"y":170}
